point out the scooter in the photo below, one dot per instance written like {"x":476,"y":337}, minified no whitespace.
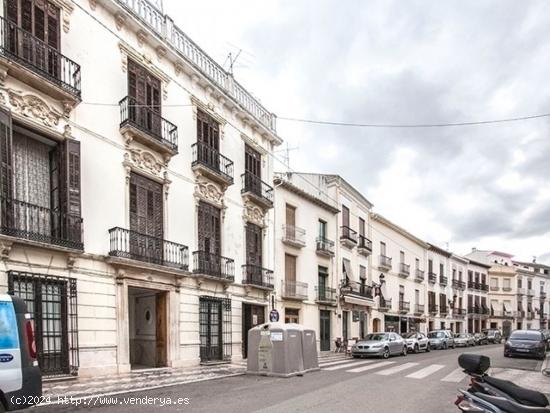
{"x":491,"y":395}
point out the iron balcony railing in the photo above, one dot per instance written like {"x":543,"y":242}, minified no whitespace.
{"x":356,"y":288}
{"x":163,"y":26}
{"x":474,"y":285}
{"x":432,"y":308}
{"x":507,"y":289}
{"x":474,"y":310}
{"x":294,"y":235}
{"x":459,"y":284}
{"x":385,"y":304}
{"x":294,"y":290}
{"x":348,"y":234}
{"x":212,"y":159}
{"x":325,"y":294}
{"x":459,"y":311}
{"x":213,"y":265}
{"x":325,"y":246}
{"x":419,"y":275}
{"x":484,"y":287}
{"x":419,"y":308}
{"x":404,"y":306}
{"x":24,"y":220}
{"x":542,"y":295}
{"x":126,"y":243}
{"x":432,"y":277}
{"x":364,"y":243}
{"x":256,"y":275}
{"x":443,"y":280}
{"x":443,"y":309}
{"x":521,"y":291}
{"x":149,"y":121}
{"x":28,"y":50}
{"x":384,"y":261}
{"x":530,"y":291}
{"x":404,"y":269}
{"x":253,"y":184}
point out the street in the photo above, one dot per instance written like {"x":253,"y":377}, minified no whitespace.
{"x":425,"y":382}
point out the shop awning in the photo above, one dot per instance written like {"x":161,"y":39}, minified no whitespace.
{"x":358,"y":301}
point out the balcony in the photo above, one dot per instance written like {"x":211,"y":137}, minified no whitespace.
{"x":348,"y":237}
{"x":324,"y":247}
{"x":419,"y":309}
{"x":39,"y":225}
{"x":143,"y":124}
{"x":356,"y":293}
{"x":443,"y":280}
{"x":325,"y":295}
{"x":384,"y":304}
{"x":472,"y":285}
{"x":214,"y":267}
{"x":384,"y":263}
{"x":459,"y":285}
{"x":404,"y":307}
{"x":520,"y":291}
{"x":133,"y":245}
{"x":419,"y":275}
{"x":530,"y":315}
{"x":32,"y":61}
{"x":256,"y":276}
{"x":543,"y":295}
{"x":432,"y":277}
{"x":209,"y":162}
{"x":474,"y":310}
{"x":459,"y":312}
{"x":404,"y":270}
{"x":501,"y":314}
{"x":496,"y":288}
{"x":433,"y":309}
{"x":484,"y":287}
{"x":294,"y":290}
{"x":294,"y":236}
{"x":364,"y":247}
{"x":443,"y":310}
{"x":256,"y":190}
{"x":530,"y":292}
{"x":506,"y":289}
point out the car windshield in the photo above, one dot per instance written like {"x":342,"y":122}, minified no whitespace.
{"x":411,"y":335}
{"x":436,"y":334}
{"x":376,"y":337}
{"x":525,"y":335}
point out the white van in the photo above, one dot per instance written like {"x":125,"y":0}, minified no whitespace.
{"x":20,"y":377}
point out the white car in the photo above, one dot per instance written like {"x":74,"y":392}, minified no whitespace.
{"x":417,"y":341}
{"x":20,"y":377}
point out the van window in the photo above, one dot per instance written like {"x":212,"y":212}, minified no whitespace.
{"x":9,"y":338}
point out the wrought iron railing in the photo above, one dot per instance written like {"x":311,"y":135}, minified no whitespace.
{"x":385,"y":304}
{"x":256,"y":275}
{"x":484,"y":287}
{"x":364,"y":243}
{"x":348,"y":234}
{"x":432,"y":277}
{"x":325,"y":246}
{"x":459,"y":285}
{"x":404,"y":306}
{"x":433,"y":308}
{"x":384,"y":261}
{"x":325,"y":294}
{"x":459,"y":311}
{"x":26,"y":49}
{"x":356,"y":288}
{"x":443,"y":309}
{"x":253,"y":184}
{"x":419,"y":275}
{"x":294,"y":234}
{"x":148,"y":120}
{"x":205,"y":263}
{"x":24,"y":220}
{"x":404,"y":269}
{"x":443,"y":280}
{"x":419,"y":308}
{"x":126,"y":243}
{"x":294,"y":289}
{"x":474,"y":310}
{"x":212,"y":159}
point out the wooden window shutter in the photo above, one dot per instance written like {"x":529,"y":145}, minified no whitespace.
{"x":70,"y":190}
{"x":6,"y":179}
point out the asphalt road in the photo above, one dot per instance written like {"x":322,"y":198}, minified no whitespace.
{"x":426,"y":382}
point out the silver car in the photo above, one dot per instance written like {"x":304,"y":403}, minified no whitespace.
{"x":441,"y":339}
{"x":379,"y":344}
{"x":416,"y":342}
{"x":464,"y":339}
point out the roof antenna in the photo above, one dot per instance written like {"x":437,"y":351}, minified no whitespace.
{"x":286,"y":154}
{"x":232,"y":60}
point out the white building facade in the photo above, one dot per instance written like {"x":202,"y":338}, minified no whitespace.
{"x":137,"y":199}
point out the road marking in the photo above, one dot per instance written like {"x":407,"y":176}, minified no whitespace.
{"x":396,"y":369}
{"x":372,"y":366}
{"x":345,"y":366}
{"x":455,"y":376}
{"x":335,"y":362}
{"x":420,"y":374}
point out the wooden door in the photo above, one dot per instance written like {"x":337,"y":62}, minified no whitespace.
{"x":290,"y":222}
{"x":161,"y":329}
{"x":253,"y":315}
{"x":209,"y":224}
{"x":208,"y":137}
{"x":345,"y":216}
{"x":254,"y":252}
{"x":324,"y":330}
{"x":290,"y":275}
{"x":144,"y":106}
{"x":253,"y":170}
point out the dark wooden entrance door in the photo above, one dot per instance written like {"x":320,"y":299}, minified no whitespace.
{"x":144,"y":106}
{"x":324,"y":329}
{"x":253,"y":315}
{"x":210,"y":329}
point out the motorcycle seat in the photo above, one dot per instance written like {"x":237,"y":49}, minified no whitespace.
{"x":521,"y":395}
{"x":510,"y":406}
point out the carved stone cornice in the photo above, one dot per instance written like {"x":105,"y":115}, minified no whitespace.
{"x":31,"y":106}
{"x":254,"y":214}
{"x":208,"y":191}
{"x":147,"y":164}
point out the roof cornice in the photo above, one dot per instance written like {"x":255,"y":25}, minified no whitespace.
{"x":399,"y":230}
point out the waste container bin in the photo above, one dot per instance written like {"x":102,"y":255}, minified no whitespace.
{"x":309,"y":350}
{"x":275,"y":349}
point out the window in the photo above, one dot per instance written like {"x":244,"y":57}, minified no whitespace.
{"x":416,"y":296}
{"x":430,"y":266}
{"x":144,"y":91}
{"x":417,"y":263}
{"x":346,"y":268}
{"x":254,"y":245}
{"x":494,"y":282}
{"x":529,"y":284}
{"x":441,"y":269}
{"x":506,"y":283}
{"x":209,"y":226}
{"x":345,"y":216}
{"x":460,"y":275}
{"x":541,"y":286}
{"x":470,"y":276}
{"x":292,"y":315}
{"x":401,"y":294}
{"x":362,"y":272}
{"x":382,"y":248}
{"x":290,"y":268}
{"x":40,"y":18}
{"x":519,"y":282}
{"x":322,"y":230}
{"x":361,"y":227}
{"x":252,"y":162}
{"x":290,"y":221}
{"x":402,"y":256}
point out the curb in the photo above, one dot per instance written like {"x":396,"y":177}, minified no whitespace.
{"x":545,"y":369}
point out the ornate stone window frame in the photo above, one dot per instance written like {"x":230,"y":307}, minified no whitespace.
{"x":210,"y":110}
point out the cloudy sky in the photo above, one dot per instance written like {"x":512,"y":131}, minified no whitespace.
{"x":403,"y":62}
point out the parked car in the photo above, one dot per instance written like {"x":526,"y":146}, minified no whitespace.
{"x":417,"y":341}
{"x":379,"y":344}
{"x":546,"y":334}
{"x":480,"y":339}
{"x":464,"y":339}
{"x":441,"y":339}
{"x":525,"y":343}
{"x":20,"y":377}
{"x":493,"y":335}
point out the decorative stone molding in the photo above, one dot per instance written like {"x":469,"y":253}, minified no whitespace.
{"x":208,"y":108}
{"x":253,"y":214}
{"x":161,"y":53}
{"x":141,"y":37}
{"x":120,"y":275}
{"x":67,"y":131}
{"x":144,"y":160}
{"x":254,"y":144}
{"x":93,"y":4}
{"x":3,"y":74}
{"x":71,"y":260}
{"x":178,"y":68}
{"x":119,"y":21}
{"x":5,"y":249}
{"x":208,"y":191}
{"x":32,"y":106}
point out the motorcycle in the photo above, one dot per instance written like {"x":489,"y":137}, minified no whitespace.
{"x":488,"y":394}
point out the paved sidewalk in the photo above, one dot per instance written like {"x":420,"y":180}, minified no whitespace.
{"x":137,"y":381}
{"x":534,"y":380}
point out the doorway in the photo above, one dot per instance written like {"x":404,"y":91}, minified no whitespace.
{"x":147,"y":327}
{"x":253,"y":315}
{"x":324,"y":330}
{"x":376,"y":325}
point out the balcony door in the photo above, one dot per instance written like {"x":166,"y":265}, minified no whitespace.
{"x":290,"y":222}
{"x":210,"y":245}
{"x":254,"y":253}
{"x":253,"y":170}
{"x":290,"y":275}
{"x":208,"y":138}
{"x":144,"y":106}
{"x":32,"y":33}
{"x":146,"y":219}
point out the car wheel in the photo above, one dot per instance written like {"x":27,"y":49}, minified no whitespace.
{"x":404,"y":352}
{"x":355,"y":356}
{"x":415,"y":349}
{"x":445,"y":346}
{"x":454,"y":346}
{"x":428,"y":348}
{"x":386,"y":353}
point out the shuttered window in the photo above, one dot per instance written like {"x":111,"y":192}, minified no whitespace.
{"x":253,"y":244}
{"x":38,"y":17}
{"x":146,"y":206}
{"x":209,"y":222}
{"x":290,"y":268}
{"x":208,"y":130}
{"x":252,"y":161}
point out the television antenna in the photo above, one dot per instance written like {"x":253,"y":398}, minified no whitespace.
{"x":286,"y":153}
